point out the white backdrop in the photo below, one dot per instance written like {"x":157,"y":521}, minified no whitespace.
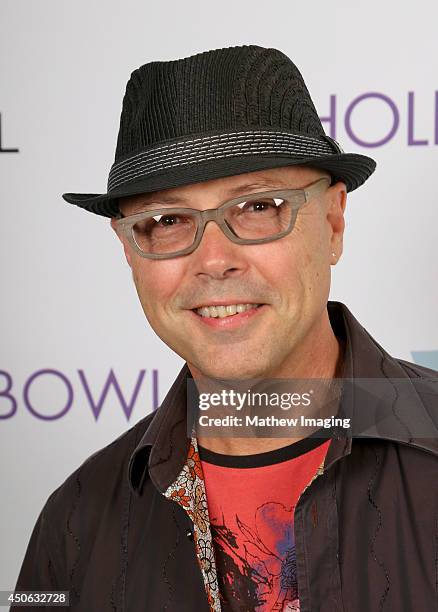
{"x":69,"y":313}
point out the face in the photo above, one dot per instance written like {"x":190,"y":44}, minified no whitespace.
{"x":289,"y":279}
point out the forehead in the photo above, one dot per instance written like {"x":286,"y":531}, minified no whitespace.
{"x":227,"y":187}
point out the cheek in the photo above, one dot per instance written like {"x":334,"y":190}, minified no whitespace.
{"x":316,"y":268}
{"x":298,"y":262}
{"x":156,"y":281}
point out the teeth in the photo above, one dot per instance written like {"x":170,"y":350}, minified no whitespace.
{"x":224,"y":311}
{"x":213,"y":311}
{"x":221,"y":311}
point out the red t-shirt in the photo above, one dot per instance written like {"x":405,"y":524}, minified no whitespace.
{"x":251,"y":502}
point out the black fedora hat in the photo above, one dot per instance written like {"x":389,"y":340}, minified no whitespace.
{"x":215,"y":114}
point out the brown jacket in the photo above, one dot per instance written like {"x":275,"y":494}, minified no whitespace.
{"x":128,"y":530}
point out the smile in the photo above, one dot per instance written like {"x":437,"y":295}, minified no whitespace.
{"x":227,"y":317}
{"x":223,"y":311}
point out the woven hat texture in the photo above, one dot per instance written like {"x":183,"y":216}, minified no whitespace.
{"x":215,"y":114}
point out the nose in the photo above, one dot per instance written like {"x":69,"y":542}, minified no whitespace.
{"x":217,"y":256}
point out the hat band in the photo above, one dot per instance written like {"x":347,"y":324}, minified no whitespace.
{"x":234,"y":144}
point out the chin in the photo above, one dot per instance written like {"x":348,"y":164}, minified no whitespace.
{"x":231,"y":371}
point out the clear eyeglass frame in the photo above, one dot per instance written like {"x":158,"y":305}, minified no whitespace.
{"x":295,"y":197}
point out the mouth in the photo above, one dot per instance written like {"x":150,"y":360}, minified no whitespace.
{"x":227,"y":316}
{"x":222,"y":311}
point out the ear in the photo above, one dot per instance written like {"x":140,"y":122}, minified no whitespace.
{"x":335,"y":217}
{"x":126,"y":247}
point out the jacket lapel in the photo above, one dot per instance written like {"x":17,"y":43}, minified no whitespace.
{"x":188,"y":490}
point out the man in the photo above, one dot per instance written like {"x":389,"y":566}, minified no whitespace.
{"x":229,"y":201}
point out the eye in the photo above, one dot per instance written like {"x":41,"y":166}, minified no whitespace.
{"x":261,"y":205}
{"x":167,"y":220}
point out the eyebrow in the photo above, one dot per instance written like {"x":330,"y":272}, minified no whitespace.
{"x":243,"y":189}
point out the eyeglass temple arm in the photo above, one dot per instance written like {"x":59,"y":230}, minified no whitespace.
{"x":318,"y":187}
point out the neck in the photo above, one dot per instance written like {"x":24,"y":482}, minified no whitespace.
{"x":320,"y":355}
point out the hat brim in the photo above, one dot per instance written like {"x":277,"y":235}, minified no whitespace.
{"x":352,"y":169}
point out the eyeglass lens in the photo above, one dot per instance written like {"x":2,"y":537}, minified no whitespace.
{"x":250,"y":220}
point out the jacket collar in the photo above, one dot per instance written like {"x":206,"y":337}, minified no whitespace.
{"x":163,"y":449}
{"x":379,"y":394}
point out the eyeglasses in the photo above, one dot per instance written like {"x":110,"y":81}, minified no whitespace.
{"x":253,"y":219}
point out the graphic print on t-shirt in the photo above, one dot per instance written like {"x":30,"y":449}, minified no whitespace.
{"x":256,"y":569}
{"x":251,"y":504}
